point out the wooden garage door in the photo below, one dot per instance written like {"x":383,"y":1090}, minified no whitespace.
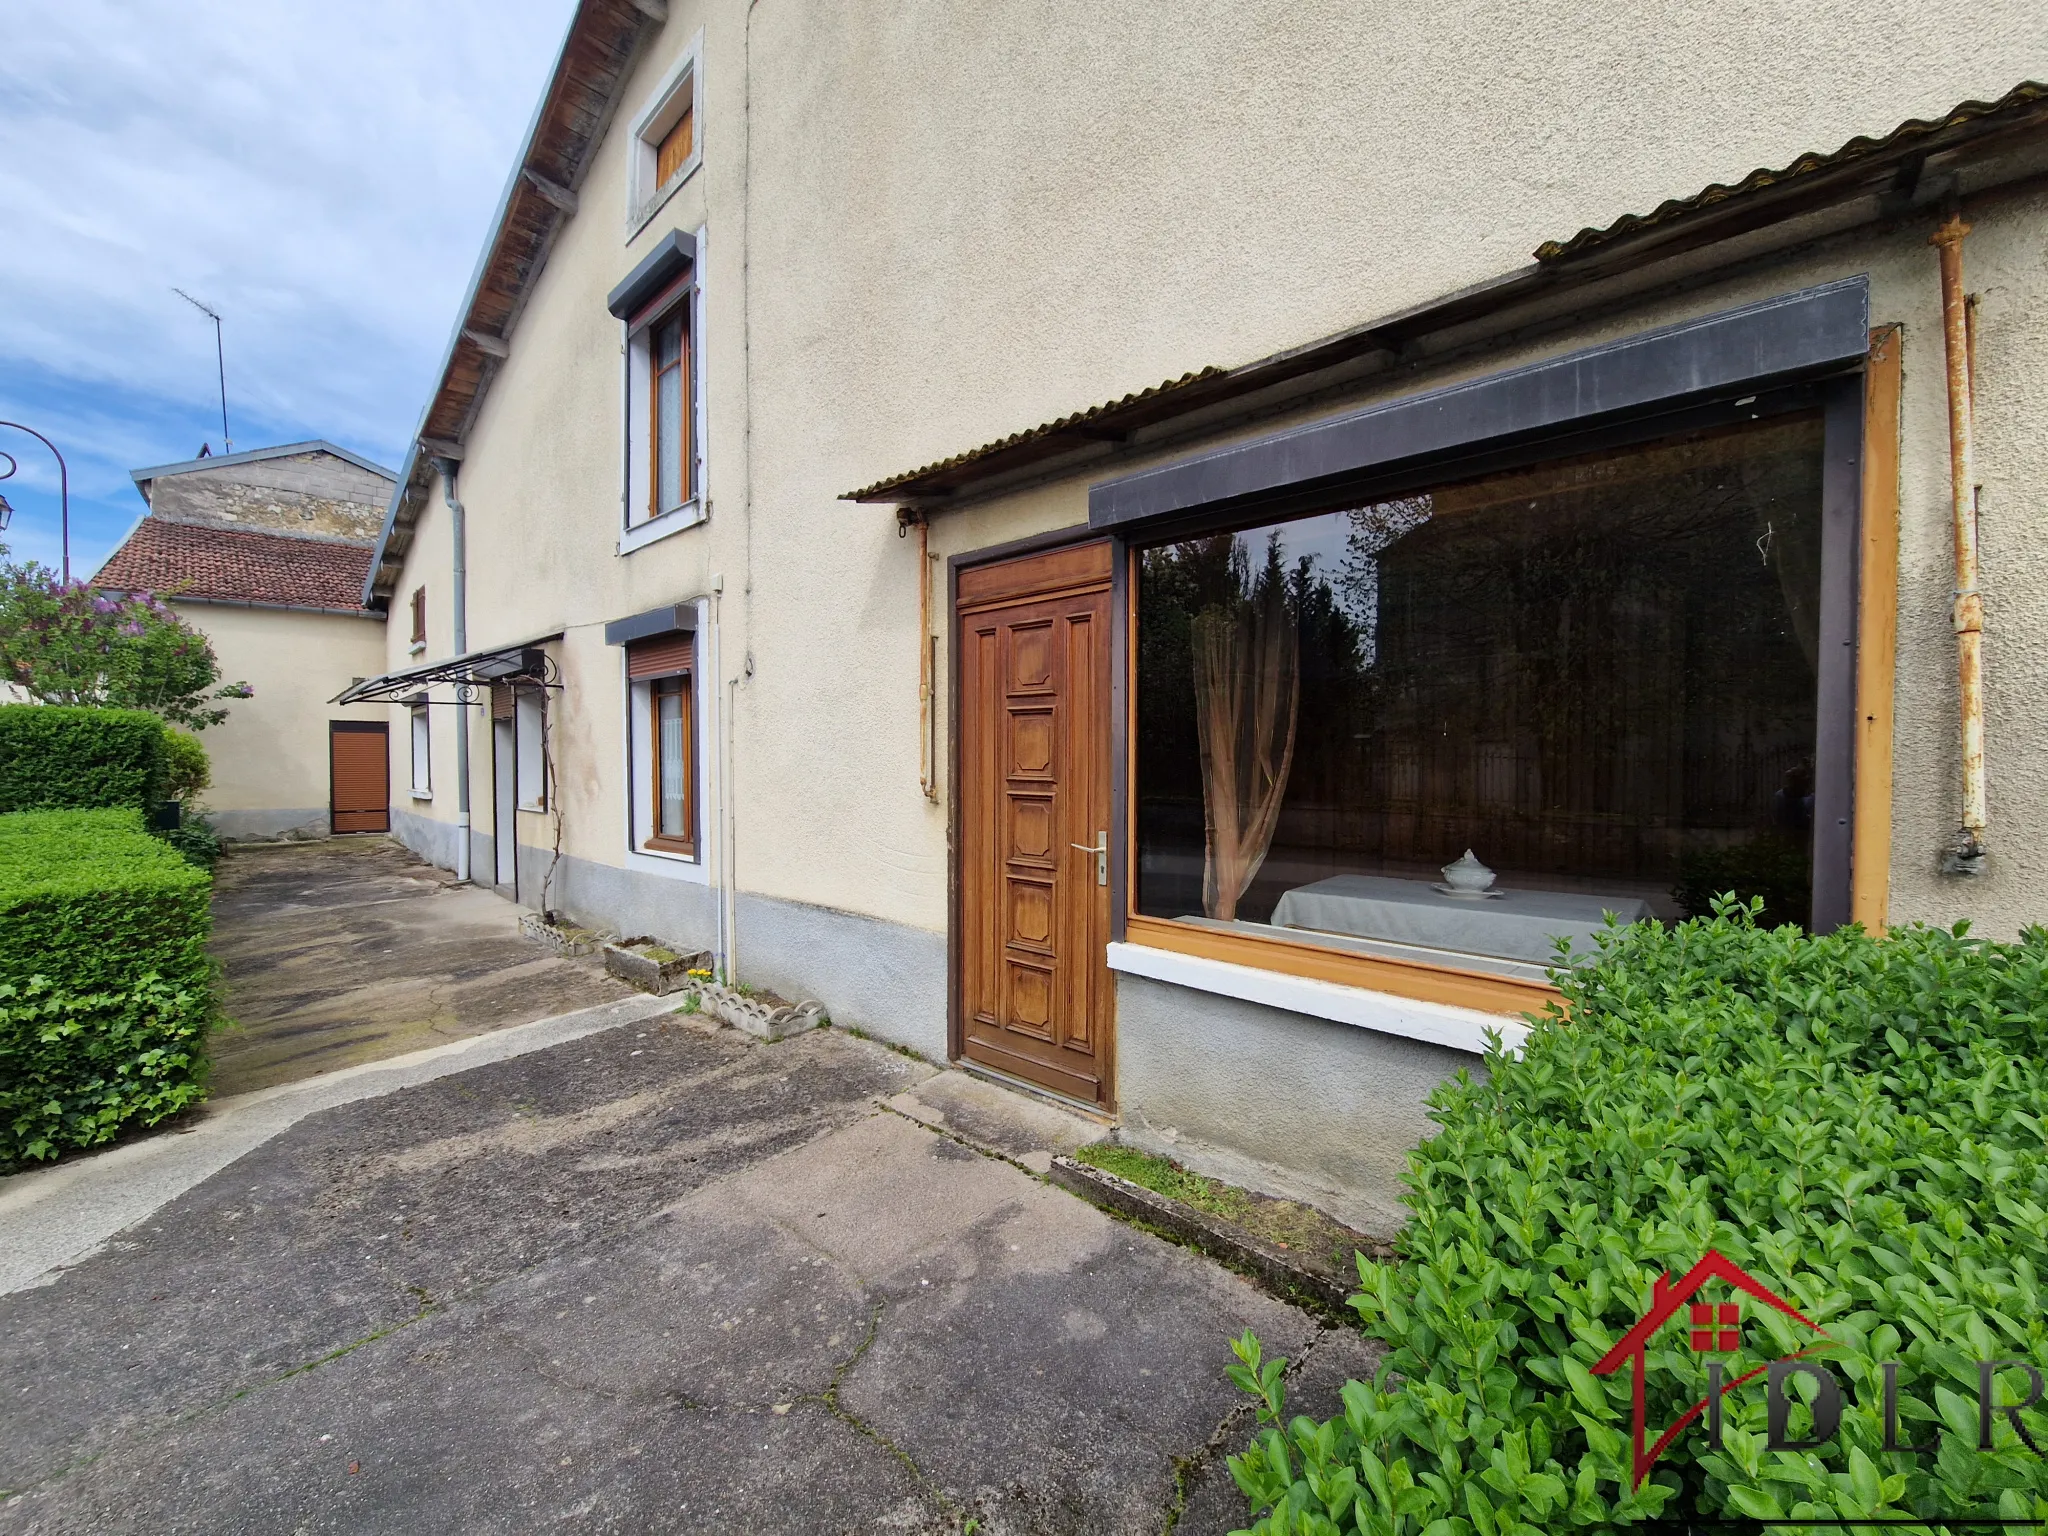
{"x":1035,"y":998}
{"x":359,"y":775}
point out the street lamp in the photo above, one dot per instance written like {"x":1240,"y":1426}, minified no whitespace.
{"x":63,"y":490}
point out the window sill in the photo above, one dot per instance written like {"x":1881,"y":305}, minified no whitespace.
{"x":671,"y":866}
{"x":422,"y":794}
{"x":417,"y":648}
{"x":535,"y":809}
{"x":1461,"y":1029}
{"x":640,"y":535}
{"x":636,"y":224}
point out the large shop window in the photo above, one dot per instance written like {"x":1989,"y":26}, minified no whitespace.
{"x":1597,"y":678}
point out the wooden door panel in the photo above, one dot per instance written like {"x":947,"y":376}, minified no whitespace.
{"x":1034,"y":782}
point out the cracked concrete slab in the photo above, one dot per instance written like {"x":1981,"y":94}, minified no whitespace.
{"x":1022,"y":1127}
{"x":654,"y":1278}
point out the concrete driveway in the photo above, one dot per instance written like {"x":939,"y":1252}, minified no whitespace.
{"x":353,"y":949}
{"x":654,"y":1278}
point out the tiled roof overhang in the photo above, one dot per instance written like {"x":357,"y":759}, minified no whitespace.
{"x":1976,"y":146}
{"x":539,"y":197}
{"x":236,"y":565}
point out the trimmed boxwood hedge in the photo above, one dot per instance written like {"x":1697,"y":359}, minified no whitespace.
{"x":1862,"y":1124}
{"x":54,"y":757}
{"x":105,"y":982}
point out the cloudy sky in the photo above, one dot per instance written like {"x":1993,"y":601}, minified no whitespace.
{"x":321,"y":174}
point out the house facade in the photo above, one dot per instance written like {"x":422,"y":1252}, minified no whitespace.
{"x":265,"y":553}
{"x":1054,"y":532}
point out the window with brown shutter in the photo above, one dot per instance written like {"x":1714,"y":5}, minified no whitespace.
{"x":419,"y":615}
{"x":660,"y":667}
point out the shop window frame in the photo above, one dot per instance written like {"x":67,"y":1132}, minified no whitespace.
{"x":1857,"y":400}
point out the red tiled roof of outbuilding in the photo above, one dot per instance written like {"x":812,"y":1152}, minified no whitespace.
{"x":231,"y":565}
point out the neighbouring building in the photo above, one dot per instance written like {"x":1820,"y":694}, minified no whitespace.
{"x":265,"y":553}
{"x":1054,"y":529}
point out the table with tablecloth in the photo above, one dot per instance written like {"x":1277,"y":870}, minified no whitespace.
{"x":1515,"y":924}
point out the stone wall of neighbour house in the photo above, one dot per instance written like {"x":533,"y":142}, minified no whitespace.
{"x":269,"y":756}
{"x":313,"y":495}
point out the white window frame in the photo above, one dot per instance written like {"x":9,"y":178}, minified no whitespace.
{"x":640,"y":530}
{"x":681,"y":86}
{"x":638,"y":754}
{"x":529,"y":748}
{"x":419,"y":735}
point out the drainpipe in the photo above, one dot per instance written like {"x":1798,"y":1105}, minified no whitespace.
{"x":1966,"y":853}
{"x":461,"y":605}
{"x":927,"y":756}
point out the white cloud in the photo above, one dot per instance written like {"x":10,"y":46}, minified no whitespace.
{"x":321,"y":174}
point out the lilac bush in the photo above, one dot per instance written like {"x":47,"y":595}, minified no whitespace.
{"x":72,"y":643}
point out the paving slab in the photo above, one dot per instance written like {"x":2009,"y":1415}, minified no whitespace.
{"x":1020,"y":1126}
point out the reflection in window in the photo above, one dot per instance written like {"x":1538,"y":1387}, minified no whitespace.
{"x":1597,"y":675}
{"x":669,"y":705}
{"x":669,"y":361}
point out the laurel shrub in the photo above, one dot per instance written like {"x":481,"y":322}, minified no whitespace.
{"x":1860,"y":1123}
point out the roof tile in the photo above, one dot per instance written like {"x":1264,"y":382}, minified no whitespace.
{"x":188,"y":560}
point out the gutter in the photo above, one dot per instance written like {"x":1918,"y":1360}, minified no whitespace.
{"x":245,"y":602}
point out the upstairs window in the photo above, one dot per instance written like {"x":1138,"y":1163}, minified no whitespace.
{"x":673,"y":152}
{"x":664,"y":145}
{"x":669,"y":435}
{"x":419,"y":618}
{"x":661,"y":304}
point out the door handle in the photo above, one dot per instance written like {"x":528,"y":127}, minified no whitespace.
{"x":1100,"y":848}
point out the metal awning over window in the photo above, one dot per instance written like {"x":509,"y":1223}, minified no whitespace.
{"x":464,"y":677}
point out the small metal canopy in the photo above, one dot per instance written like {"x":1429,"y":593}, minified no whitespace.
{"x":526,"y":666}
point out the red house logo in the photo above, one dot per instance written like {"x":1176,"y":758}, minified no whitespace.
{"x":1714,"y":1328}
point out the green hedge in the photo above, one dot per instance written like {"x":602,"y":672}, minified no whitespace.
{"x":1858,"y":1123}
{"x":105,"y":983}
{"x":55,"y":757}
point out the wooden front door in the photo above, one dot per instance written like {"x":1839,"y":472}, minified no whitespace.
{"x":1034,"y":673}
{"x":359,"y":775}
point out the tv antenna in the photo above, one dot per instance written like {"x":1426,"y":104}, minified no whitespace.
{"x":220,"y":361}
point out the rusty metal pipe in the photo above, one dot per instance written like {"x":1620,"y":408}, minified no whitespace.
{"x":1967,"y":853}
{"x":927,"y":765}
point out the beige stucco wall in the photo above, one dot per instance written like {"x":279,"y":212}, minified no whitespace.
{"x":269,"y":756}
{"x":928,"y":226}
